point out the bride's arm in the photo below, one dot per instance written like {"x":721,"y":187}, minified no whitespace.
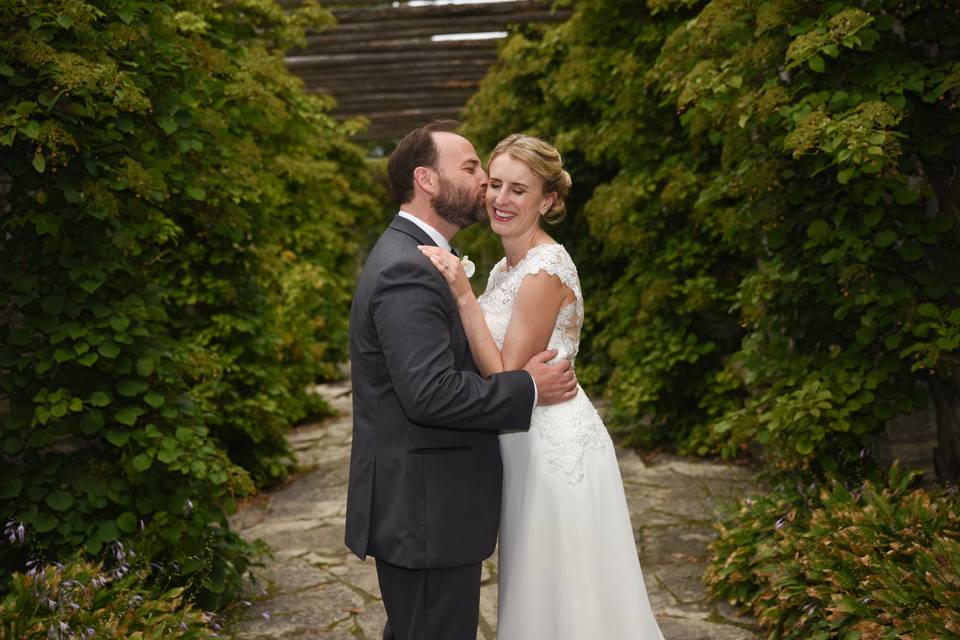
{"x":531,"y":322}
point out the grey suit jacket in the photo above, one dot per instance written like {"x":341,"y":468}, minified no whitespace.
{"x":425,"y":469}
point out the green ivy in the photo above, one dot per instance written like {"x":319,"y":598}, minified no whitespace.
{"x":765,"y":215}
{"x":176,"y":264}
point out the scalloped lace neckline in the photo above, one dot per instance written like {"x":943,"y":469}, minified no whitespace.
{"x":506,"y":268}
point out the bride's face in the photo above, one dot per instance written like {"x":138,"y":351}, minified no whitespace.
{"x":515,"y":197}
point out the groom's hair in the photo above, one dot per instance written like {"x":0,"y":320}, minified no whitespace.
{"x":417,"y":149}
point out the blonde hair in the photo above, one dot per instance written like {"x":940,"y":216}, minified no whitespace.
{"x":545,"y":161}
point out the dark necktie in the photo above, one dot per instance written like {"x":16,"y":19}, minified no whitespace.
{"x":455,"y":251}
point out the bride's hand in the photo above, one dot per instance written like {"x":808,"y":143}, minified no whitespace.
{"x":450,"y":268}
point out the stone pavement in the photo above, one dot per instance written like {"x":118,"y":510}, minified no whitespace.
{"x":316,"y":589}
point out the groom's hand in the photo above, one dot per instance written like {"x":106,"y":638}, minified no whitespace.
{"x":555,"y":382}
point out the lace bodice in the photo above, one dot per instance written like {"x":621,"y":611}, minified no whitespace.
{"x":569,"y":428}
{"x":504,"y":283}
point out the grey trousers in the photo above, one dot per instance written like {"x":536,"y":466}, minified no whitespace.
{"x":430,"y":604}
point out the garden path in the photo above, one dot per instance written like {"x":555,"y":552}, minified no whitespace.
{"x":315,"y":589}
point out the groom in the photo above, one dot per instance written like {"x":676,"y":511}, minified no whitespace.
{"x":425,"y":469}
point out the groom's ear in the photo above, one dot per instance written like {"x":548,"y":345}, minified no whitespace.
{"x":424,"y":176}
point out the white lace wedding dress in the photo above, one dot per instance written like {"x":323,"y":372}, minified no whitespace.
{"x":568,"y":562}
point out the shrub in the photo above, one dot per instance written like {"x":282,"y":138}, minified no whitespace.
{"x":771,"y":204}
{"x":81,"y":600}
{"x":877,"y":561}
{"x":174,"y":271}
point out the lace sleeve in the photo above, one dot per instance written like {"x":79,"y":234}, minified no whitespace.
{"x":552,"y":259}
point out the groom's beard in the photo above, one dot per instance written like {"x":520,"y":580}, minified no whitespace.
{"x":457,"y":205}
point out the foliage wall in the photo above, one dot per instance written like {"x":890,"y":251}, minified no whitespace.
{"x":770,"y":190}
{"x":176,"y":263}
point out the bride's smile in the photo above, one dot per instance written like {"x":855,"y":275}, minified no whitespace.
{"x":515,"y":198}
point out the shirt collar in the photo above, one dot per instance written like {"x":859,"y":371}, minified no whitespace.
{"x":435,"y":235}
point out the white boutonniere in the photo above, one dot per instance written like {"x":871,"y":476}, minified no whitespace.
{"x":468,"y":267}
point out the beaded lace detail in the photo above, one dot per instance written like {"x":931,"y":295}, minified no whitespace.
{"x":574,"y":426}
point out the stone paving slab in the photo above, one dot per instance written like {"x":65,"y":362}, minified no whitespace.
{"x":315,"y":589}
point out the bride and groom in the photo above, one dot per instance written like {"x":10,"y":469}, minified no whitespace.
{"x":468,"y":418}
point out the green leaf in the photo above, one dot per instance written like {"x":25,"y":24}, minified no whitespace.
{"x":817,"y":64}
{"x":884,"y":238}
{"x":928,"y":310}
{"x":106,"y":531}
{"x":99,"y":399}
{"x":63,"y":355}
{"x":65,"y":21}
{"x":168,"y":124}
{"x":130,"y":388}
{"x":128,"y":415}
{"x":893,"y":341}
{"x":905,"y":196}
{"x":6,"y":70}
{"x":39,"y":161}
{"x":142,"y":462}
{"x":127,"y":522}
{"x":804,"y":447}
{"x":196,"y":193}
{"x":911,"y":251}
{"x":145,"y":366}
{"x":117,"y":437}
{"x":11,"y":488}
{"x":818,"y":230}
{"x":88,"y":359}
{"x":119,"y":323}
{"x":59,"y":500}
{"x":108,"y":349}
{"x":154,"y":399}
{"x":45,"y":522}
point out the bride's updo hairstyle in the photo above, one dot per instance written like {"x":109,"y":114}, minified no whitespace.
{"x":545,"y":161}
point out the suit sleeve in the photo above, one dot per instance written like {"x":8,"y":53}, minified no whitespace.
{"x":409,"y":312}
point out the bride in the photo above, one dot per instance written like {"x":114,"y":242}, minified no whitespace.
{"x":568,"y":563}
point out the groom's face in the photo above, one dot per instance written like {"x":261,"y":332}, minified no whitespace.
{"x":462,"y":181}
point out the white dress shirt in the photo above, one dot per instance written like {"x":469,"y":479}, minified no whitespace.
{"x":435,"y":235}
{"x":444,"y":244}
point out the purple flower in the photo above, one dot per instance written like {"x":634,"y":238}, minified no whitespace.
{"x":782,"y":521}
{"x":266,"y":615}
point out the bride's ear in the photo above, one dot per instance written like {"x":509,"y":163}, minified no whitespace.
{"x":547,"y":203}
{"x":424,"y":177}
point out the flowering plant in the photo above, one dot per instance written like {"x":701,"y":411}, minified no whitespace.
{"x":468,"y":267}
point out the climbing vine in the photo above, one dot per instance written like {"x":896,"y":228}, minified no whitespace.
{"x":177,"y":260}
